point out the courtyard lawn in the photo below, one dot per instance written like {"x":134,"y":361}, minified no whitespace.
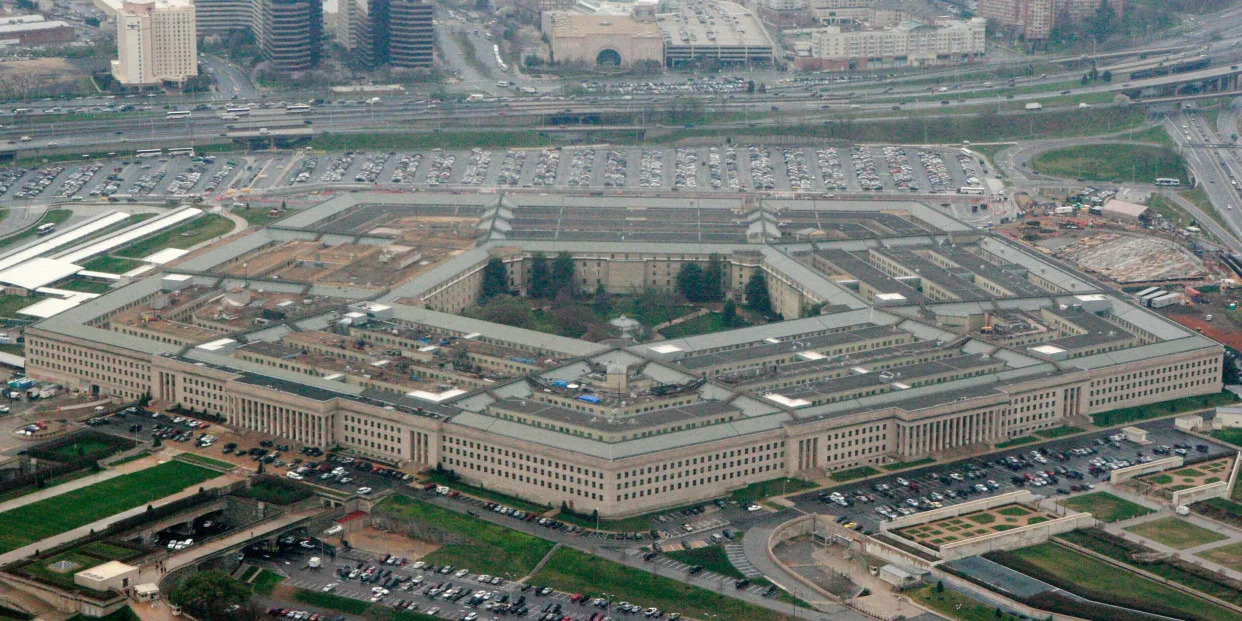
{"x":1105,"y":506}
{"x":488,"y":548}
{"x":84,"y":447}
{"x":1230,"y":556}
{"x":182,"y":236}
{"x":51,"y":516}
{"x":1176,"y":533}
{"x":578,"y":572}
{"x":1094,"y":579}
{"x":111,"y":265}
{"x":1057,"y":432}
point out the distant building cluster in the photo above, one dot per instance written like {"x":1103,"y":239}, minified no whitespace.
{"x":26,"y":30}
{"x":909,"y":44}
{"x":378,"y":32}
{"x":1037,"y":18}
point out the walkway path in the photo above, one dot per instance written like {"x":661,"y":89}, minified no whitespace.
{"x":48,"y":492}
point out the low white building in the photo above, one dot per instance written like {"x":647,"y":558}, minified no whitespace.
{"x":909,"y":44}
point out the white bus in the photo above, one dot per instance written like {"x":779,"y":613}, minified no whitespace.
{"x":182,"y":151}
{"x":177,"y":114}
{"x":297,"y":109}
{"x":238,"y":110}
{"x":148,"y":152}
{"x":44,"y":229}
{"x":1167,"y":181}
{"x":969,"y":189}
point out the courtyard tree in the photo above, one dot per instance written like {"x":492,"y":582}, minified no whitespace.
{"x":757,"y":296}
{"x":540,"y":277}
{"x":495,"y":279}
{"x":211,"y":595}
{"x":562,"y":273}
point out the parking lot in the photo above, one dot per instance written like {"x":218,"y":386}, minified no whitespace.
{"x":726,"y":167}
{"x":445,"y":591}
{"x":1074,"y":463}
{"x":178,"y":176}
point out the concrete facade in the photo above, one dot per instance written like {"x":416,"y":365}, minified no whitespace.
{"x":911,"y":44}
{"x":602,"y":40}
{"x":155,"y":43}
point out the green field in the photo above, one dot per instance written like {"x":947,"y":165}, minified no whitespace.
{"x":1099,"y":581}
{"x":266,"y":582}
{"x":1057,"y":432}
{"x":111,"y":265}
{"x":84,"y":447}
{"x":1232,"y":436}
{"x":84,"y":285}
{"x":259,"y":216}
{"x":1105,"y":506}
{"x":182,"y":236}
{"x":488,"y":548}
{"x":841,"y":476}
{"x":773,"y":487}
{"x":51,"y":516}
{"x":578,"y":572}
{"x":1016,"y":441}
{"x":134,"y":457}
{"x":1112,"y":162}
{"x":904,"y":465}
{"x":1163,"y":408}
{"x":10,"y":304}
{"x":1176,"y":533}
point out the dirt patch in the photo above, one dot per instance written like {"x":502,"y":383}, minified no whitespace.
{"x":44,"y":76}
{"x":381,"y":543}
{"x":1222,"y":333}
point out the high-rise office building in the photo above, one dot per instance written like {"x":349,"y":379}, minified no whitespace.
{"x":396,"y":32}
{"x":289,"y":33}
{"x":156,"y":42}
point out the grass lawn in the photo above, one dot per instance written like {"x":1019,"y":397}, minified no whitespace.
{"x":111,"y":265}
{"x":81,"y":448}
{"x":10,"y":304}
{"x":578,"y":572}
{"x":705,"y":324}
{"x":84,"y":285}
{"x":1230,"y":556}
{"x":1163,"y":408}
{"x":249,"y":573}
{"x":1057,"y":432}
{"x":53,"y":216}
{"x":712,"y":558}
{"x":765,"y":489}
{"x":276,"y":490}
{"x":1175,"y":532}
{"x":1016,"y":441}
{"x":1155,"y":133}
{"x":1105,"y":506}
{"x":909,"y":464}
{"x":954,"y":605}
{"x":64,"y":478}
{"x":989,"y":151}
{"x":266,"y":582}
{"x":38,"y":520}
{"x":195,"y":458}
{"x":841,"y":476}
{"x":1112,"y":162}
{"x":1232,"y":436}
{"x":488,"y":548}
{"x":182,"y":236}
{"x":1097,"y":580}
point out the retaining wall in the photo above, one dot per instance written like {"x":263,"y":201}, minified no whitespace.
{"x":1129,"y":472}
{"x":1016,"y":538}
{"x":1018,"y":497}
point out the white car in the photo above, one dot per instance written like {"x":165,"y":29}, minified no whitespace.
{"x":754,"y":508}
{"x":327,"y":588}
{"x":364,"y":491}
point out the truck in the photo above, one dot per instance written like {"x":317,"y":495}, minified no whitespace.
{"x":1166,"y":300}
{"x":1064,"y":210}
{"x":475,"y":97}
{"x":263,"y":131}
{"x":1034,"y":105}
{"x":41,"y":392}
